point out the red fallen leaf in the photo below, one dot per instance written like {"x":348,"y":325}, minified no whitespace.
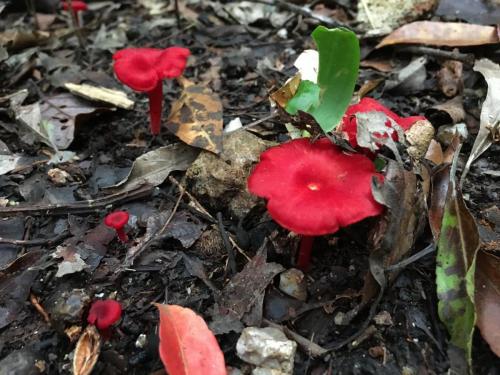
{"x":187,"y":346}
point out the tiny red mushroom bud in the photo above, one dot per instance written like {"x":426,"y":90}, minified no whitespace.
{"x":143,"y":69}
{"x":117,"y":220}
{"x":104,"y":313}
{"x":314,"y":189}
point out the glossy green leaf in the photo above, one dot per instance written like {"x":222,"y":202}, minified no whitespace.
{"x":306,"y":97}
{"x":457,"y":246}
{"x":338,"y":71}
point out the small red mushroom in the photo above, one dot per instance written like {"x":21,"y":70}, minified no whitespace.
{"x":117,"y":220}
{"x":104,"y":313}
{"x":349,"y":123}
{"x":76,"y":7}
{"x":314,"y":189}
{"x":143,"y":69}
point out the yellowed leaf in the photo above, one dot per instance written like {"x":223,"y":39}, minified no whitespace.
{"x":451,"y":34}
{"x":87,"y":351}
{"x":285,"y":93}
{"x":196,"y":117}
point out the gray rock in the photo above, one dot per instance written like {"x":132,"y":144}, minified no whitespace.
{"x":221,"y":181}
{"x":268,"y":349}
{"x":293,"y":283}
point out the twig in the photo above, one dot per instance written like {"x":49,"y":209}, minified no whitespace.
{"x":80,"y":207}
{"x":227,"y":245}
{"x":259,"y":121}
{"x":37,"y":242}
{"x":304,"y":11}
{"x":313,"y":349}
{"x":76,"y":25}
{"x":467,"y":58}
{"x":177,"y":14}
{"x":429,"y":249}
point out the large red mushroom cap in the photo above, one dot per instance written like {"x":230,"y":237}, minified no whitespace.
{"x":142,"y":68}
{"x":104,"y":313}
{"x":76,"y":6}
{"x":315,"y":188}
{"x":349,"y":124}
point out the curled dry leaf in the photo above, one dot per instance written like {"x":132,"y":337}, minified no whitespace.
{"x":451,"y":34}
{"x":489,"y":130}
{"x":87,"y":351}
{"x":116,"y":98}
{"x":487,"y":298}
{"x":187,"y":346}
{"x":196,"y":117}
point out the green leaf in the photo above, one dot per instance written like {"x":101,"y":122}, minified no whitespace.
{"x":307,"y":96}
{"x":338,"y":70}
{"x":457,"y":246}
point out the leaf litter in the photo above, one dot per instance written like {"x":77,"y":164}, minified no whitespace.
{"x":200,"y":237}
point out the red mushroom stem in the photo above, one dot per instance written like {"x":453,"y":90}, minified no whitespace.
{"x":305,"y":251}
{"x":122,"y":236}
{"x":155,"y":107}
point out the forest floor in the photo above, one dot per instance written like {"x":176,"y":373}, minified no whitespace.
{"x":193,"y":233}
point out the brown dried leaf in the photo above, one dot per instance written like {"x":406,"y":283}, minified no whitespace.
{"x":450,"y":78}
{"x":451,"y":34}
{"x":450,"y":112}
{"x":196,"y":117}
{"x":87,"y":351}
{"x":19,"y":39}
{"x":285,"y":93}
{"x":487,"y":298}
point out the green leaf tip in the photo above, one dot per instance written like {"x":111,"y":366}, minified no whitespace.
{"x":328,"y":100}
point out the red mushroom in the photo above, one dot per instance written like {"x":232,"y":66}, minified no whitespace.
{"x":314,"y":189}
{"x":349,"y":123}
{"x":104,"y":313}
{"x":143,"y":69}
{"x":117,"y":220}
{"x":76,"y":7}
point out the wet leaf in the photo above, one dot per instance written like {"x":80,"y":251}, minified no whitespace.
{"x":451,"y":34}
{"x":72,"y":261}
{"x":456,"y":248}
{"x":154,"y":167}
{"x":196,"y":118}
{"x":243,"y":292}
{"x":87,"y":351}
{"x":53,"y":121}
{"x":489,"y":130}
{"x":187,"y":346}
{"x":339,"y":57}
{"x":487,"y":298}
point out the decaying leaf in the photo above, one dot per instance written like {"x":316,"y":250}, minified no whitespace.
{"x":456,"y":249}
{"x":487,"y":298}
{"x":451,"y":34}
{"x":489,"y":130}
{"x":101,"y":94}
{"x":154,"y":167}
{"x":53,"y":121}
{"x":196,"y":117}
{"x":187,"y":346}
{"x":243,"y":292}
{"x":87,"y":351}
{"x":19,"y":39}
{"x":287,"y":91}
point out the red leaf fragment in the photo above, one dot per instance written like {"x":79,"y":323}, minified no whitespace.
{"x":187,"y":346}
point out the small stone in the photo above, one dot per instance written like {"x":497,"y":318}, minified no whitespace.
{"x":383,"y":318}
{"x":268,"y":349}
{"x":68,"y":306}
{"x":141,"y":341}
{"x":446,"y":133}
{"x":293,"y":283}
{"x":58,"y":176}
{"x":419,"y":136}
